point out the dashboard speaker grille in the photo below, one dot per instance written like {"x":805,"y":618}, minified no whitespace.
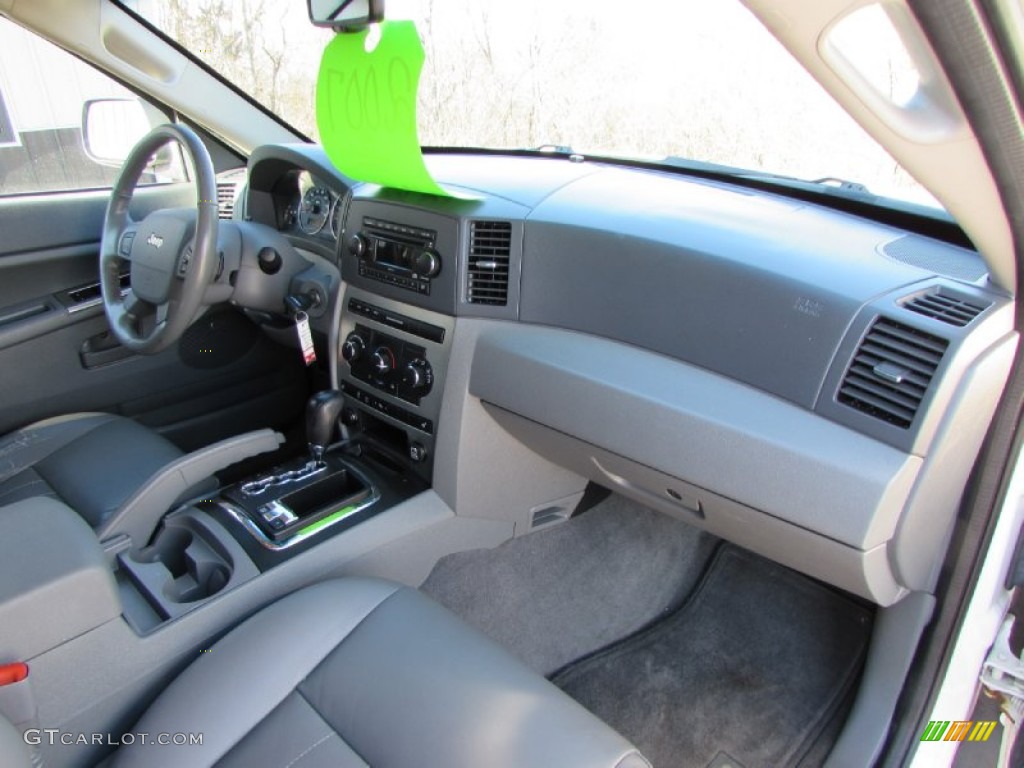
{"x":226,"y":200}
{"x":940,"y":258}
{"x":891,"y":371}
{"x":951,"y":310}
{"x":490,"y":249}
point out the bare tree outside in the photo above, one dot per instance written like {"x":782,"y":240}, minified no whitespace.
{"x":262,"y":46}
{"x":698,"y":79}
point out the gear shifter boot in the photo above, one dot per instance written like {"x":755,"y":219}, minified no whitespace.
{"x":322,"y":413}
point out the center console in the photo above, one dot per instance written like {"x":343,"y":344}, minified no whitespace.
{"x":211,"y":545}
{"x":396,"y":325}
{"x":165,"y":576}
{"x":393,"y":336}
{"x":285,"y":508}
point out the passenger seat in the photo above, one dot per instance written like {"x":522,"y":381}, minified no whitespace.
{"x":357,"y":672}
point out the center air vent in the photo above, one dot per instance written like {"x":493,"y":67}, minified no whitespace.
{"x":891,"y":372}
{"x":947,"y":309}
{"x":226,"y":200}
{"x":490,"y":247}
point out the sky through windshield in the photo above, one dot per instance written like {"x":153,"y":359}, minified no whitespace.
{"x":699,"y":79}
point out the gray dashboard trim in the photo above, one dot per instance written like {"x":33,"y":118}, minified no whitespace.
{"x":894,"y":640}
{"x":865,"y":573}
{"x":754,"y":286}
{"x":735,"y":441}
{"x":926,"y":525}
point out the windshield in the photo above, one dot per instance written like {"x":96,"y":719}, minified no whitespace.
{"x":696,"y":79}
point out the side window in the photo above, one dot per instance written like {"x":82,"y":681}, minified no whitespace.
{"x":46,"y":96}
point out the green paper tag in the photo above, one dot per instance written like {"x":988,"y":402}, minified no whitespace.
{"x":366,"y":108}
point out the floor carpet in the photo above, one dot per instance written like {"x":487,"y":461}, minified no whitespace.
{"x":750,"y":671}
{"x":557,"y":594}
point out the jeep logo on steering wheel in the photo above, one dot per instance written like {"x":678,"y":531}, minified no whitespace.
{"x":155,"y":240}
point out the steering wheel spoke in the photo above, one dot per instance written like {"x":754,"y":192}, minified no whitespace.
{"x":134,"y":307}
{"x":127,"y":238}
{"x":141,"y":316}
{"x":152,"y":319}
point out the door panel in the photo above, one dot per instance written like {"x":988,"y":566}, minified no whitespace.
{"x":57,"y":354}
{"x":50,"y":242}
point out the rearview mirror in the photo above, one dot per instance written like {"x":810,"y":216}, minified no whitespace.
{"x":345,"y":15}
{"x":111,"y":127}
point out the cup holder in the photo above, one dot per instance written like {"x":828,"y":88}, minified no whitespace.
{"x":207,"y":580}
{"x":169,"y":549}
{"x":190,"y":569}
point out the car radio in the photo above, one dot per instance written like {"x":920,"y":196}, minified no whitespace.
{"x":396,"y":254}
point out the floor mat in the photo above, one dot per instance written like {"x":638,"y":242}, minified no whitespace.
{"x":751,"y":668}
{"x":556,"y":595}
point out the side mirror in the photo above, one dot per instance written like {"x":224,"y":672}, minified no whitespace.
{"x":111,"y":128}
{"x":345,"y":15}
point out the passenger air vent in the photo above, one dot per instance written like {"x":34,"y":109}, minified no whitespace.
{"x":947,"y":309}
{"x":891,"y":371}
{"x":226,"y":200}
{"x":490,"y":248}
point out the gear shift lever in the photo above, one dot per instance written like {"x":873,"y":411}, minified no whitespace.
{"x":322,"y":413}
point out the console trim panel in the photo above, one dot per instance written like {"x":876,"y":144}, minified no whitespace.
{"x":314,"y":527}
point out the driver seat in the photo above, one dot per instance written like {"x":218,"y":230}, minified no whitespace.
{"x":91,"y":461}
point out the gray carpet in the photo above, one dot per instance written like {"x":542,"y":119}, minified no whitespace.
{"x":754,"y":665}
{"x":556,"y":595}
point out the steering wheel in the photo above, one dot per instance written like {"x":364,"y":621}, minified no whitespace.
{"x":172,"y":253}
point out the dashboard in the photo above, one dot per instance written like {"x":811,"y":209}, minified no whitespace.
{"x":808,"y":383}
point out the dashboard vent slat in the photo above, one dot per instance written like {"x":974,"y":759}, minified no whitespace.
{"x":951,"y":310}
{"x":490,"y":249}
{"x":226,"y":200}
{"x":891,"y":371}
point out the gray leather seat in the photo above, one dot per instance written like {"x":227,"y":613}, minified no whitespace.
{"x":91,"y":461}
{"x":13,"y":751}
{"x":356,"y":672}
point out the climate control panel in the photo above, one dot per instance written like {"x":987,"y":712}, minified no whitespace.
{"x":391,"y":359}
{"x":388,"y":363}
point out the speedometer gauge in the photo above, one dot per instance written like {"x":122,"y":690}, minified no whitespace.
{"x":314,"y":210}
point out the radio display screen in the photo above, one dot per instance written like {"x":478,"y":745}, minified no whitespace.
{"x":396,"y":254}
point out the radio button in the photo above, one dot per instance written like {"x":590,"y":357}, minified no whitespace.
{"x":358,"y":247}
{"x":428,"y":263}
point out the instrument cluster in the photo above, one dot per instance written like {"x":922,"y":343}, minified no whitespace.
{"x":313,"y":209}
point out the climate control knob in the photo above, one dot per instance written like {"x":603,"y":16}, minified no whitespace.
{"x":418,"y":376}
{"x":353,"y":347}
{"x":358,"y":247}
{"x":383,"y":361}
{"x":428,"y":263}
